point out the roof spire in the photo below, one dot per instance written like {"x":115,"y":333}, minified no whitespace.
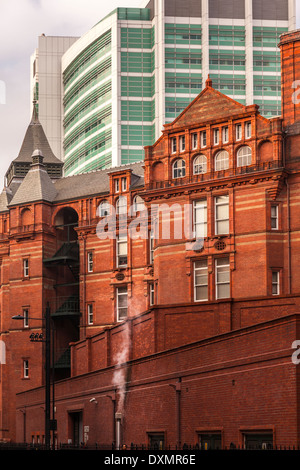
{"x":34,"y":119}
{"x":208,"y":82}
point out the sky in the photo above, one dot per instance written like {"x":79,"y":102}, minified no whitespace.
{"x":21,"y":22}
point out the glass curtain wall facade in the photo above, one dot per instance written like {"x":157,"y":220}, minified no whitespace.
{"x":138,"y":68}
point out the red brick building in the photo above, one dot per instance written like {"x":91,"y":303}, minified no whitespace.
{"x":178,"y":319}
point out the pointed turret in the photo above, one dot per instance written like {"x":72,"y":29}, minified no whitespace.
{"x":35,"y":138}
{"x":37,"y":184}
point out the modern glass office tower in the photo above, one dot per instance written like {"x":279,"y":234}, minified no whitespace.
{"x":138,"y":68}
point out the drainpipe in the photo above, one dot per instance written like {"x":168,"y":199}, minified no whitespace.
{"x":118,"y":417}
{"x":288,"y":216}
{"x":177,"y":388}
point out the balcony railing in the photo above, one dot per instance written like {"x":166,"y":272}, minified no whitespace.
{"x":216,"y":175}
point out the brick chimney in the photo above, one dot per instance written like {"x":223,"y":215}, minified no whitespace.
{"x":290,"y":77}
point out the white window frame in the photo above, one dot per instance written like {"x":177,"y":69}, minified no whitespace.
{"x":26,"y":267}
{"x":238,"y":131}
{"x":151,"y":246}
{"x":182,"y":143}
{"x":200,"y":163}
{"x":25,"y":368}
{"x":244,"y":156}
{"x":138,"y":204}
{"x":222,"y":160}
{"x":219,"y":265}
{"x":121,"y":208}
{"x":121,"y":240}
{"x":118,"y":295}
{"x":200,"y":218}
{"x":275,"y":282}
{"x":248,"y":130}
{"x":90,"y":261}
{"x":274,"y":216}
{"x":204,"y":270}
{"x":194,"y":141}
{"x":216,"y":136}
{"x":174,"y":145}
{"x":104,"y":208}
{"x":222,"y":200}
{"x":26,"y":317}
{"x":151,"y":293}
{"x":225,"y":134}
{"x":90,"y":314}
{"x":203,"y":139}
{"x":178,"y":171}
{"x":124,"y":183}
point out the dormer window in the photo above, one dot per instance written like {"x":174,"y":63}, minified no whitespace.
{"x":182,"y":143}
{"x":117,"y":186}
{"x":124,"y":184}
{"x":179,"y":168}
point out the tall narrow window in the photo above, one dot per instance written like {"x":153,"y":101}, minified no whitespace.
{"x":200,"y":218}
{"x":238,"y":131}
{"x":26,"y":267}
{"x":90,"y":314}
{"x":274,"y":217}
{"x":124,"y":184}
{"x":222,"y":215}
{"x":121,"y":207}
{"x":26,"y":317}
{"x":174,"y":145}
{"x":225,"y":134}
{"x":90,"y":261}
{"x":275,"y":283}
{"x":121,"y":303}
{"x":248,"y":130}
{"x":25,"y":368}
{"x":200,"y":280}
{"x":222,"y":278}
{"x":117,"y":186}
{"x":182,"y":143}
{"x":216,"y":136}
{"x":194,"y":141}
{"x":151,"y":293}
{"x":121,"y":251}
{"x":203,"y":138}
{"x":151,"y":246}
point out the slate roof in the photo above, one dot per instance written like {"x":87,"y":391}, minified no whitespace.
{"x":95,"y":182}
{"x":35,"y":138}
{"x":38,"y":186}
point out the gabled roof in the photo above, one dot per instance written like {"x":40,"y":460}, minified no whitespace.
{"x":210,"y":106}
{"x":37,"y":184}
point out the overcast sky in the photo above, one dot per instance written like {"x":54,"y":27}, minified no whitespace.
{"x":21,"y":22}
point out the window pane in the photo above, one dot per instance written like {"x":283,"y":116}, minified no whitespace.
{"x":223,"y":226}
{"x":223,"y":291}
{"x":201,"y":293}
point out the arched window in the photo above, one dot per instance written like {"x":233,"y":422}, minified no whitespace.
{"x":200,"y":165}
{"x":104,"y":208}
{"x":138,"y":204}
{"x":244,"y":156}
{"x":222,"y":160}
{"x":179,"y":168}
{"x":121,"y":205}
